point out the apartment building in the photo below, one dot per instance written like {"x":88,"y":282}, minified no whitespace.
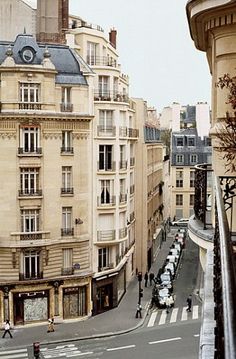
{"x":212,"y":28}
{"x":149,"y":230}
{"x":114,"y":140}
{"x":187,"y":150}
{"x":46,"y":197}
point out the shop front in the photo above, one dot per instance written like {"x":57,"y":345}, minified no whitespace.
{"x":30,"y":307}
{"x":75,"y":302}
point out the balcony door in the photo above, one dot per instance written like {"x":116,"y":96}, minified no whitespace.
{"x":105,"y":157}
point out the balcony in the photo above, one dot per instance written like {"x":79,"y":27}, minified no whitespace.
{"x":110,"y":201}
{"x":123,"y":198}
{"x":31,"y":236}
{"x":104,"y":131}
{"x":132,"y":188}
{"x":67,"y":232}
{"x":67,"y":150}
{"x":65,"y":191}
{"x":31,"y":277}
{"x":132,"y":217}
{"x":30,"y":193}
{"x":133,"y":133}
{"x":132,"y":161}
{"x":123,"y":233}
{"x":110,"y":96}
{"x":123,"y":165}
{"x":66,"y":107}
{"x":218,"y":332}
{"x":29,"y":151}
{"x":123,"y":131}
{"x":67,"y":271}
{"x":106,"y":235}
{"x":101,"y":61}
{"x":109,"y":266}
{"x":30,"y":106}
{"x":109,"y":166}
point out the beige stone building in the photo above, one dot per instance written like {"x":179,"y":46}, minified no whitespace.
{"x":45,"y":186}
{"x":113,"y":189}
{"x":149,"y":188}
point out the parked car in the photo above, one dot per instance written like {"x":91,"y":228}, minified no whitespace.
{"x":175,"y":252}
{"x":166,"y":280}
{"x":171,"y":267}
{"x":172,"y":259}
{"x":161,"y":296}
{"x":183,"y":222}
{"x":177,"y":245}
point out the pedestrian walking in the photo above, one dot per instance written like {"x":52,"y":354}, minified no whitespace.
{"x":146,"y":278}
{"x":151,"y":278}
{"x":51,"y":325}
{"x":168,"y":304}
{"x":7,"y":329}
{"x":139,"y":311}
{"x":189,"y":303}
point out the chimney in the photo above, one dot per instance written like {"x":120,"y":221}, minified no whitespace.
{"x":112,"y":37}
{"x":52,"y":21}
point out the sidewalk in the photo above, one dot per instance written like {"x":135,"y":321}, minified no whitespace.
{"x":116,"y":321}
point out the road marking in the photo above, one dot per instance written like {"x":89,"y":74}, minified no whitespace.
{"x":76,"y":354}
{"x":13,"y":351}
{"x":119,"y":348}
{"x":196,"y":335}
{"x":152,"y":319}
{"x":174,"y":315}
{"x":165,"y":340}
{"x":163,"y":317}
{"x":184,"y":314}
{"x":195,"y":311}
{"x":15,"y":356}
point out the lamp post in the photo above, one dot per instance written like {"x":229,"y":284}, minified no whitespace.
{"x":140,"y":290}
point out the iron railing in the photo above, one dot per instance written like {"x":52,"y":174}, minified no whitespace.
{"x":106,"y":202}
{"x":67,"y":232}
{"x":29,"y":151}
{"x":106,"y":235}
{"x":106,"y":131}
{"x":30,"y":192}
{"x":225,"y":270}
{"x":110,"y":96}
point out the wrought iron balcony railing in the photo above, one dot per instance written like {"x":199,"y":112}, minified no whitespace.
{"x":106,"y":131}
{"x":67,"y":149}
{"x":123,"y":165}
{"x":109,"y":166}
{"x":101,"y":61}
{"x":67,"y":271}
{"x":123,"y":198}
{"x":106,"y":202}
{"x":132,"y":161}
{"x":30,"y":192}
{"x":68,"y":190}
{"x":133,"y":132}
{"x":122,"y":232}
{"x":106,"y":235}
{"x":31,"y":236}
{"x":30,"y":106}
{"x":107,"y":95}
{"x":30,"y":276}
{"x":66,"y":107}
{"x":29,"y":151}
{"x":67,"y":232}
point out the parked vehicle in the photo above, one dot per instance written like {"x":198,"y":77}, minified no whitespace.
{"x":177,"y":245}
{"x":174,"y":253}
{"x":166,"y":280}
{"x":160,"y":295}
{"x":182,"y":222}
{"x":171,"y":267}
{"x":172,"y":259}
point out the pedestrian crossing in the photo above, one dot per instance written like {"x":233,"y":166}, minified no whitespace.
{"x":14,"y":354}
{"x":65,"y":351}
{"x":160,"y":316}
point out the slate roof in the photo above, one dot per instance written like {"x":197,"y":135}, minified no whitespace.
{"x":63,"y":58}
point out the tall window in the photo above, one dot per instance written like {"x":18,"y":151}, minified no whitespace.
{"x":67,"y":221}
{"x":106,"y":120}
{"x":29,"y":139}
{"x":105,"y":191}
{"x":103,"y":257}
{"x":123,"y":162}
{"x":29,"y":181}
{"x":67,"y":145}
{"x":192,"y":179}
{"x":67,"y":261}
{"x":29,"y":92}
{"x":179,"y":200}
{"x":179,"y":178}
{"x":31,"y":264}
{"x":103,"y":86}
{"x":66,"y":95}
{"x":67,"y":179}
{"x":193,"y":159}
{"x":105,"y":157}
{"x":91,"y":53}
{"x":30,"y":220}
{"x":180,"y":159}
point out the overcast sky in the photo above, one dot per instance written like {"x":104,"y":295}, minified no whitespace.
{"x":155,"y":48}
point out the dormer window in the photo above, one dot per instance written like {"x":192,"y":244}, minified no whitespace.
{"x":191,"y":141}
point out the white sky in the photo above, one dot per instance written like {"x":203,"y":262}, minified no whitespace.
{"x":155,"y":48}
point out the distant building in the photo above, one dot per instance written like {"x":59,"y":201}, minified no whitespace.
{"x":187,"y":150}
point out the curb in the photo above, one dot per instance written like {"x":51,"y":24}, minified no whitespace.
{"x":94,"y":336}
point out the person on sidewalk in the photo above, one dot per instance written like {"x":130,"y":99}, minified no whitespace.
{"x":168,"y":304}
{"x":139,"y":311}
{"x":146,"y":278}
{"x":189,"y":303}
{"x":50,"y":325}
{"x":151,"y":278}
{"x":7,"y":329}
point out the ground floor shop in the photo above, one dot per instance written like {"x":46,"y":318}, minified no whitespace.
{"x":61,"y":299}
{"x":107,"y":290}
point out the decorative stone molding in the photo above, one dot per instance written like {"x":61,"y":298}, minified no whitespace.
{"x":8,"y":135}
